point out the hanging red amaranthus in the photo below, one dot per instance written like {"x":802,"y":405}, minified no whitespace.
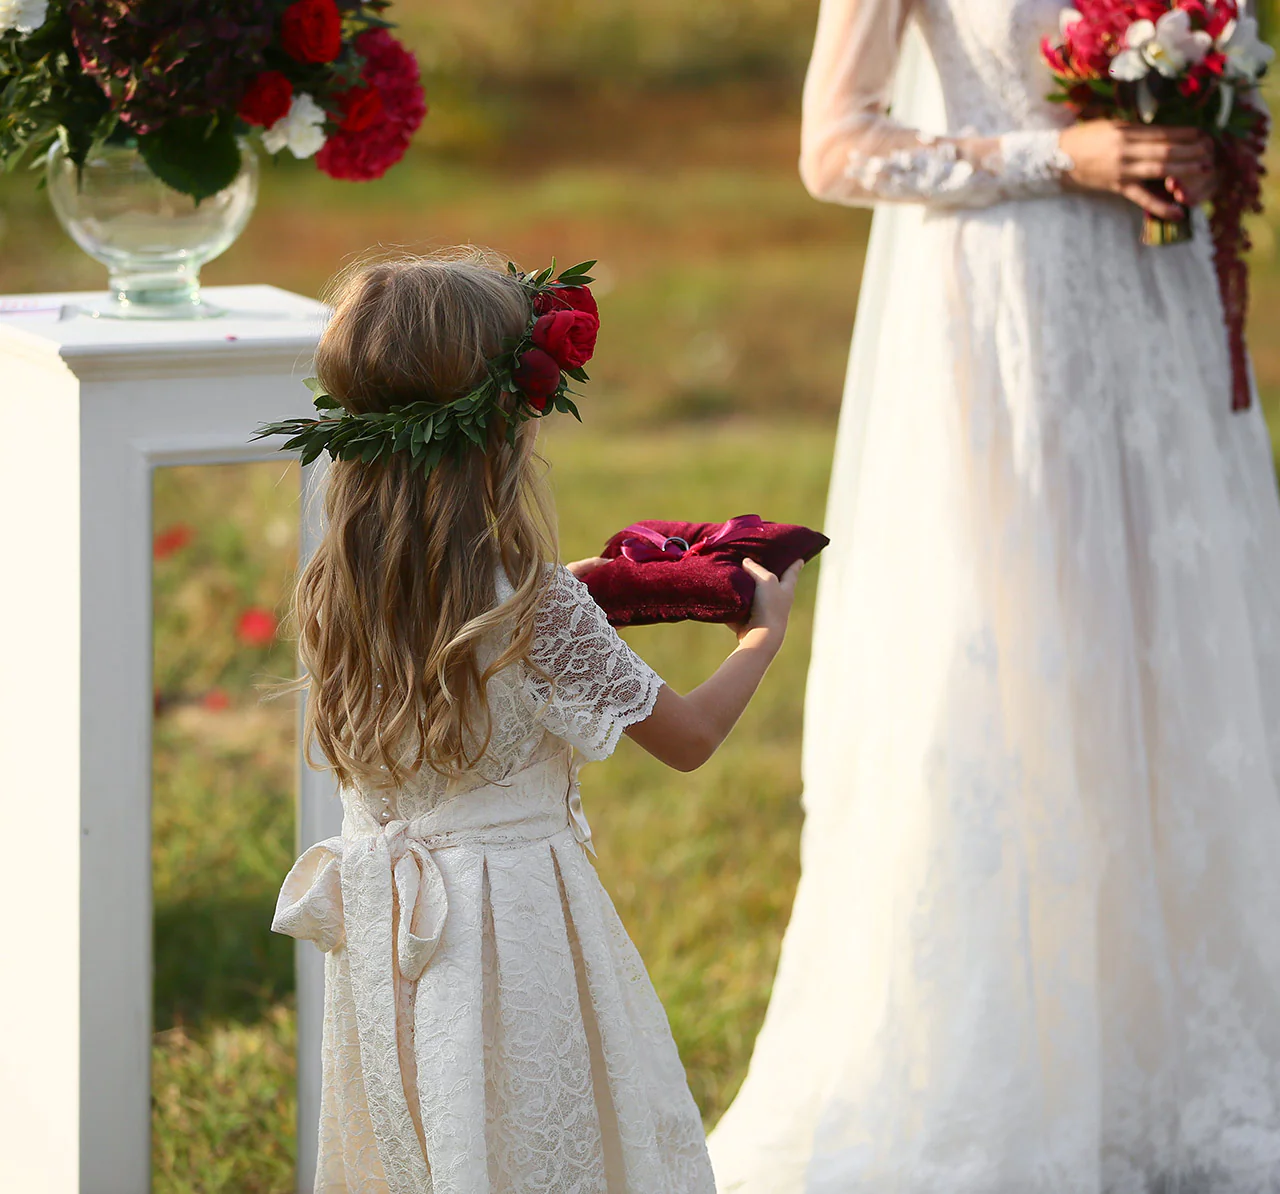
{"x":1240,"y":172}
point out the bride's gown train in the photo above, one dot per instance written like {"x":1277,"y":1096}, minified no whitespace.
{"x":1036,"y":943}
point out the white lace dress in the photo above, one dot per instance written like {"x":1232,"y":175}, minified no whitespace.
{"x":1036,"y":943}
{"x":489,"y":1027}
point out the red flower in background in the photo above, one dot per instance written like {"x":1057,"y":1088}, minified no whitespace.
{"x":369,"y":152}
{"x":256,"y":627}
{"x":361,"y":107}
{"x":311,"y":31}
{"x":568,"y":336}
{"x":267,"y":99}
{"x":216,"y":700}
{"x":538,"y":376}
{"x":171,"y":539}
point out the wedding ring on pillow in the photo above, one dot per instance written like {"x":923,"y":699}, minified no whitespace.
{"x":675,"y":539}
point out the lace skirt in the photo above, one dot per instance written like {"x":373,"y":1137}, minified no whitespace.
{"x":1035,"y":949}
{"x":489,"y":1027}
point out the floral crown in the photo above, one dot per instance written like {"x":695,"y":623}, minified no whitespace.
{"x":535,"y":368}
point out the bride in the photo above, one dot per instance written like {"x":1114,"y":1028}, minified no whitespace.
{"x":1036,"y":943}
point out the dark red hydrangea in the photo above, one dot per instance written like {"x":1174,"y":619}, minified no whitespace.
{"x":162,"y":60}
{"x":368,"y":153}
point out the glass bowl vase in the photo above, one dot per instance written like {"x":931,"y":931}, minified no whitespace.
{"x":152,"y":239}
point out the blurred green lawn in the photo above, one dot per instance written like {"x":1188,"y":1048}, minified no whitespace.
{"x":661,"y":137}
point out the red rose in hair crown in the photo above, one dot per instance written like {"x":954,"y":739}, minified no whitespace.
{"x":566,"y":298}
{"x":568,"y":336}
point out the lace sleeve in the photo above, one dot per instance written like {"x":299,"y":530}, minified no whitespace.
{"x":598,"y":685}
{"x":853,"y":152}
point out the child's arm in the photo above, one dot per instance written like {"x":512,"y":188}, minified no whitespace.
{"x":685,"y":731}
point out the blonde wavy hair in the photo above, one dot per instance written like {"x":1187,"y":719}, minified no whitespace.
{"x":393,"y":605}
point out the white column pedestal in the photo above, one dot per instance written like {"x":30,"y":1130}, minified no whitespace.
{"x":87,"y":409}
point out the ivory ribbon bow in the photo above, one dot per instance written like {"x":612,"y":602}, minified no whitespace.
{"x":311,"y":901}
{"x":350,"y":880}
{"x":645,"y":545}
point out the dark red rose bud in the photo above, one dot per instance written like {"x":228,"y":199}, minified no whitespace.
{"x":568,"y":336}
{"x":537,"y":376}
{"x":567,"y":298}
{"x":267,"y":99}
{"x":311,"y":31}
{"x":361,"y":106}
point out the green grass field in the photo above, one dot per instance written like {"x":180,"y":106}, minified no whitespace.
{"x":660,"y":136}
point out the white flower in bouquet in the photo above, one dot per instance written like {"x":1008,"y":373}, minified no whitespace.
{"x":26,"y":16}
{"x":1168,"y":46}
{"x":1246,"y":53}
{"x":300,"y":130}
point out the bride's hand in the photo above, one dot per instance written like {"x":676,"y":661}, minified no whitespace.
{"x":1126,"y":158}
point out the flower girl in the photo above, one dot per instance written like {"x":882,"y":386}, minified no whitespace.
{"x":488,"y":1024}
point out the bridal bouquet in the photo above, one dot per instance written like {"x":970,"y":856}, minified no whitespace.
{"x":1185,"y":63}
{"x":186,"y":78}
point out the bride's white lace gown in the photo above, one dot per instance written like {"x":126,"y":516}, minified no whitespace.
{"x":489,"y":1027}
{"x":1036,"y":943}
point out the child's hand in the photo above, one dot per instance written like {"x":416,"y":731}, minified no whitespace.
{"x":771,"y":606}
{"x":685,"y":731}
{"x":580,"y":568}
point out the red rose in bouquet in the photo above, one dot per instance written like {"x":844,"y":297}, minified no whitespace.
{"x":1189,"y":64}
{"x":267,"y":99}
{"x":311,"y":30}
{"x":361,"y":107}
{"x":370,"y":147}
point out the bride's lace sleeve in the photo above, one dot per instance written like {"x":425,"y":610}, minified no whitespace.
{"x":852,"y":151}
{"x":596,"y":685}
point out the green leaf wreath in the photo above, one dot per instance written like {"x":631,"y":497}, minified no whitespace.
{"x":429,"y":431}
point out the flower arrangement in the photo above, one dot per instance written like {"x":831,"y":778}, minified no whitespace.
{"x":186,"y":78}
{"x":528,"y":380}
{"x":1186,"y":63}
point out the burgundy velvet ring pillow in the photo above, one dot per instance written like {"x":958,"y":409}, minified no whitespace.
{"x":692,"y":571}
